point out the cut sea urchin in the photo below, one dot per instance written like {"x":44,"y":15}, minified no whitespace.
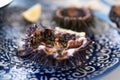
{"x":77,"y":19}
{"x":114,"y":15}
{"x":56,"y":47}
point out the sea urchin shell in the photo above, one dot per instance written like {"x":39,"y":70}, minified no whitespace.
{"x":73,"y":18}
{"x":55,"y":47}
{"x":114,"y":15}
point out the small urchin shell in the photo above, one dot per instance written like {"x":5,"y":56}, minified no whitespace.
{"x":77,"y":19}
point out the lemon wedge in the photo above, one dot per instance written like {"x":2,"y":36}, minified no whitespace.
{"x":33,"y":13}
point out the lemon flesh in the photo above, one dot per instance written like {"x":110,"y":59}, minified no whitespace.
{"x":33,"y":13}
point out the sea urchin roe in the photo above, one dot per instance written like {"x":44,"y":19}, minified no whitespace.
{"x":80,"y":42}
{"x":74,"y":12}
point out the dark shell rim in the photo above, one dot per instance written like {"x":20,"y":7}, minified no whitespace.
{"x":87,"y":11}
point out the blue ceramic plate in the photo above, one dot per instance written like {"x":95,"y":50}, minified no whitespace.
{"x":12,"y":29}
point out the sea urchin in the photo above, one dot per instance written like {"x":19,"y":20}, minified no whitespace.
{"x":56,"y":47}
